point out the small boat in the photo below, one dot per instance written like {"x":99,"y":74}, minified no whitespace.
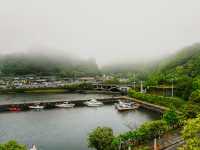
{"x":65,"y":105}
{"x":34,"y":147}
{"x":38,"y":107}
{"x":125,"y":106}
{"x":14,"y":109}
{"x":93,"y":103}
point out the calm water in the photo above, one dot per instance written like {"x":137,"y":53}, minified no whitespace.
{"x":66,"y":129}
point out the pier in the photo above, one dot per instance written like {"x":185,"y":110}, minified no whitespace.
{"x":51,"y":103}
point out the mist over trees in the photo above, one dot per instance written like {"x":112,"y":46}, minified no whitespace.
{"x":183,"y":69}
{"x":45,"y":64}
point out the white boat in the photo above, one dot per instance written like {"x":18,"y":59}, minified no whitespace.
{"x":125,"y":106}
{"x":93,"y":103}
{"x":34,"y":147}
{"x":65,"y":105}
{"x":36,"y":107}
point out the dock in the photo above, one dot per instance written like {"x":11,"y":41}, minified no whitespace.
{"x":51,"y":103}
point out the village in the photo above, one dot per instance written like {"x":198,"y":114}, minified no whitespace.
{"x":26,"y":82}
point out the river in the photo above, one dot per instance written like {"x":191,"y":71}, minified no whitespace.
{"x":65,"y":129}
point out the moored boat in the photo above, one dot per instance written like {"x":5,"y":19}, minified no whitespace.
{"x":65,"y":105}
{"x":38,"y":107}
{"x":14,"y":109}
{"x":125,"y":106}
{"x":34,"y":147}
{"x":93,"y":103}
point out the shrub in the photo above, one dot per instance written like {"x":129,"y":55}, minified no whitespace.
{"x":191,"y":134}
{"x":158,"y":100}
{"x":147,"y":131}
{"x":195,"y":96}
{"x":191,"y":110}
{"x":171,"y":118}
{"x":12,"y":145}
{"x":101,"y":138}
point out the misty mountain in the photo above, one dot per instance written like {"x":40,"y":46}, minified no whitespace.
{"x":185,"y":63}
{"x":43,"y":63}
{"x":181,"y":68}
{"x":139,"y":69}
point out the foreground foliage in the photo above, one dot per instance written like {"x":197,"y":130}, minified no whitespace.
{"x":12,"y":145}
{"x":101,"y":138}
{"x":191,"y":134}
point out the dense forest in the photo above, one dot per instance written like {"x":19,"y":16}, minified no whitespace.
{"x":183,"y":69}
{"x":45,"y":64}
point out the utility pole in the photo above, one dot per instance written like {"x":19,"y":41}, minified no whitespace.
{"x":134,"y":81}
{"x":172,"y":88}
{"x":134,"y":85}
{"x":141,"y":86}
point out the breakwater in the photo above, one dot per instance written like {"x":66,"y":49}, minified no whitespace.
{"x":48,"y":104}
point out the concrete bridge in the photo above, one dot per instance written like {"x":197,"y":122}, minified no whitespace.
{"x":112,"y":87}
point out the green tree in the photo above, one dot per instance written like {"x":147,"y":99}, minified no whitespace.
{"x":191,"y":134}
{"x":12,"y":145}
{"x":196,"y":83}
{"x":101,"y":138}
{"x":112,"y":81}
{"x":171,"y":117}
{"x":191,"y":110}
{"x":195,"y":96}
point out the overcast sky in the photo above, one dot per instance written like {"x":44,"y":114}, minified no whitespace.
{"x":108,"y":30}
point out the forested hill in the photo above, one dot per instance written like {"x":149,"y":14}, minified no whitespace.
{"x":183,"y":68}
{"x":185,"y":63}
{"x":45,"y":64}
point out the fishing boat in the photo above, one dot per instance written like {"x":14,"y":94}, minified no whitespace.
{"x":93,"y":103}
{"x":65,"y":105}
{"x":37,"y":106}
{"x":125,"y":106}
{"x":14,"y":109}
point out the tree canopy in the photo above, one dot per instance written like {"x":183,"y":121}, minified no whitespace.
{"x":12,"y":145}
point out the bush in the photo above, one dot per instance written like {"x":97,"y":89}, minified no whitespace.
{"x":195,"y":96}
{"x":12,"y":145}
{"x":158,"y":100}
{"x":171,"y":118}
{"x":146,"y":132}
{"x":101,"y":139}
{"x":191,"y":134}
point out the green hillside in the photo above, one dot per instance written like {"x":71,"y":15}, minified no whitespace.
{"x":183,"y":68}
{"x":44,"y":64}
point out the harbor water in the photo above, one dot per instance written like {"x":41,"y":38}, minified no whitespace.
{"x":65,"y":129}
